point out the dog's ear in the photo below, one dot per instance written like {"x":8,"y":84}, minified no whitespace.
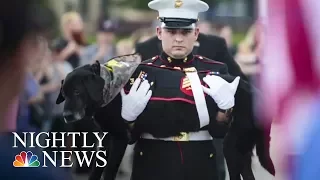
{"x":60,"y":98}
{"x":94,"y":86}
{"x":96,"y":68}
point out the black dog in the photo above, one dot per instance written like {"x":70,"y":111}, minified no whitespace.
{"x":244,"y":133}
{"x":83,"y":93}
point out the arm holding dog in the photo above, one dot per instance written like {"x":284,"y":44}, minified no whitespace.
{"x":158,"y":76}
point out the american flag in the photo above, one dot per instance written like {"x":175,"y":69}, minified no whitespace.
{"x":290,"y":76}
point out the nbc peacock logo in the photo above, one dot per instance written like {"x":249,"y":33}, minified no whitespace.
{"x":26,"y":159}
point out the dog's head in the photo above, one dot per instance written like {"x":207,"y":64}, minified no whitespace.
{"x":82,"y":91}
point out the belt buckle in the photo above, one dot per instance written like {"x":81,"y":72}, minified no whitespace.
{"x":184,"y":136}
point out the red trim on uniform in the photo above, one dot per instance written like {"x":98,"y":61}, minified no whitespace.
{"x":170,"y":68}
{"x":206,"y":71}
{"x":205,"y":60}
{"x":172,"y":99}
{"x":181,"y":153}
{"x":154,"y":59}
{"x":188,"y":62}
{"x":166,"y":62}
{"x":168,"y":99}
{"x":162,"y":67}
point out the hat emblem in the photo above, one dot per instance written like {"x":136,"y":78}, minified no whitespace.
{"x":178,"y":3}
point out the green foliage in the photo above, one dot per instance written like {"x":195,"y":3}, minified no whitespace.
{"x":91,"y":39}
{"x":237,"y":37}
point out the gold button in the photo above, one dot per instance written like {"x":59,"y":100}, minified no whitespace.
{"x":211,"y":155}
{"x":141,"y":153}
{"x":185,"y":59}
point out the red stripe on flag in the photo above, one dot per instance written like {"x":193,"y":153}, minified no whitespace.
{"x":300,"y":53}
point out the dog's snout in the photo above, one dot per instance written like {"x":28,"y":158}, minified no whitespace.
{"x":70,"y":116}
{"x":67,"y":113}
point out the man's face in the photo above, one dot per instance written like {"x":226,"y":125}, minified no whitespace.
{"x":105,"y":37}
{"x":177,"y":43}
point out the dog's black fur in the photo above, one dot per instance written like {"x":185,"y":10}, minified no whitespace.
{"x":244,"y":133}
{"x":82,"y":93}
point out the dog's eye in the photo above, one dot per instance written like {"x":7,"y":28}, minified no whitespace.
{"x":76,"y":92}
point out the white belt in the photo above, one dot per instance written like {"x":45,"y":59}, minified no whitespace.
{"x":191,"y":136}
{"x":198,"y":96}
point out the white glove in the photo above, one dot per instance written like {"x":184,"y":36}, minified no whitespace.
{"x":136,"y":100}
{"x":221,"y":91}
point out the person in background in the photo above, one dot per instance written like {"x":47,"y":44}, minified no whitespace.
{"x":49,"y":76}
{"x":29,"y":105}
{"x":247,"y":59}
{"x":104,"y":49}
{"x":73,"y":41}
{"x":247,"y":54}
{"x":205,"y":27}
{"x":21,"y":24}
{"x":142,"y":35}
{"x":124,"y":47}
{"x":227,"y":33}
{"x":64,"y":65}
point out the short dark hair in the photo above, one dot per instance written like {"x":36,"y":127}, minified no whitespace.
{"x":18,"y":19}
